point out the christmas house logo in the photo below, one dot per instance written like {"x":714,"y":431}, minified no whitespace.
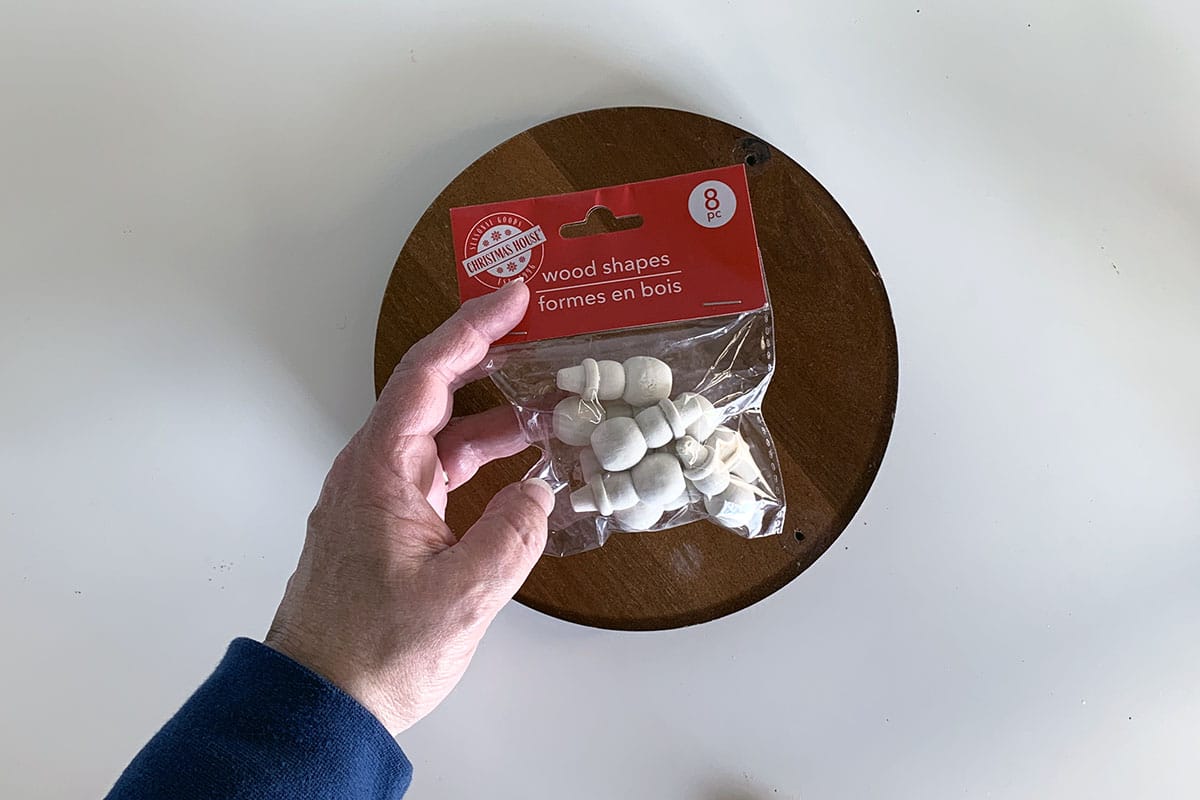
{"x":502,"y":247}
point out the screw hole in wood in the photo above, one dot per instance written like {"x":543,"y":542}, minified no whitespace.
{"x":752,"y":152}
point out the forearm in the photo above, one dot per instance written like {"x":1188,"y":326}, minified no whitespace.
{"x":264,"y":727}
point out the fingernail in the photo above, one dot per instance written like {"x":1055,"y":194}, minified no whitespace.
{"x":540,"y":491}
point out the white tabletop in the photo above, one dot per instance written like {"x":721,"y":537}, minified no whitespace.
{"x":200,"y":204}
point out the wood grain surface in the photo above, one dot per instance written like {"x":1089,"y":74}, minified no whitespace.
{"x":831,"y":402}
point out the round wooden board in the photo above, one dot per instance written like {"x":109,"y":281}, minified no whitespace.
{"x":830,"y":405}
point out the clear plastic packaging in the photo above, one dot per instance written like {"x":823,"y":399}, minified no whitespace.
{"x":728,"y":360}
{"x":628,"y":371}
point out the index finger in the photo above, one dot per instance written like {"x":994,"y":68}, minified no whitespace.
{"x":419,"y":396}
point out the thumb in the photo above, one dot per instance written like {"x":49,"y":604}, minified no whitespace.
{"x":503,"y":546}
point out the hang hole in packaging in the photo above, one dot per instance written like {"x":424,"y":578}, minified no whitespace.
{"x":599,"y":220}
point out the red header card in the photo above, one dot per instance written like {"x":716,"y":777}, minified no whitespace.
{"x":694,"y":254}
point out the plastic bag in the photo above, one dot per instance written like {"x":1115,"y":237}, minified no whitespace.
{"x":704,"y":433}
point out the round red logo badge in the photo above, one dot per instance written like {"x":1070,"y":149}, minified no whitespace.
{"x":503,"y":247}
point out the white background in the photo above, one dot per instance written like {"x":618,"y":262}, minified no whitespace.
{"x":200,"y":204}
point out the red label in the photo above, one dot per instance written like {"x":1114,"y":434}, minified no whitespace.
{"x":695,"y":255}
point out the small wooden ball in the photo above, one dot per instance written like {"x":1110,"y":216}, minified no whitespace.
{"x":647,"y":380}
{"x":575,"y":419}
{"x":638,"y":518}
{"x":658,"y":479}
{"x":618,"y":444}
{"x":683,"y":499}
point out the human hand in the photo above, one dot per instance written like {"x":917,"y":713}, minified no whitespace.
{"x":385,"y":602}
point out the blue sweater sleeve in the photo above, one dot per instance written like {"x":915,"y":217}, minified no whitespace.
{"x":263,"y":727}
